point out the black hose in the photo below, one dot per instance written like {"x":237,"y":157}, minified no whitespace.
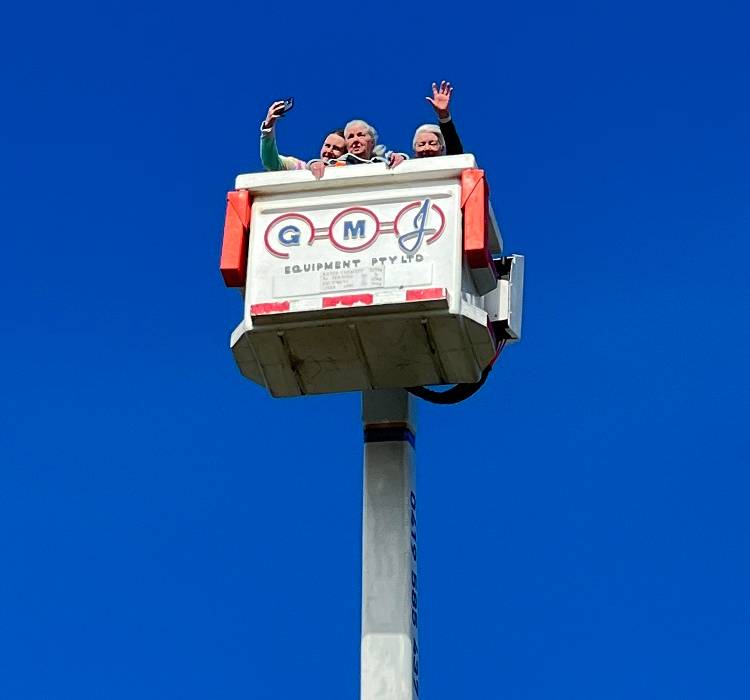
{"x":459,"y":392}
{"x":456,"y":394}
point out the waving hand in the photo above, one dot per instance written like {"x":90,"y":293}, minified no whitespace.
{"x":441,"y":98}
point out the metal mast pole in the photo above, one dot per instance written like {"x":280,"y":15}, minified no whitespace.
{"x":389,"y":648}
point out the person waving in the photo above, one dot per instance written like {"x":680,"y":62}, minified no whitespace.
{"x":438,"y":140}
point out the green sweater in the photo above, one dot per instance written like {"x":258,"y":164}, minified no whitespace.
{"x":269,"y":154}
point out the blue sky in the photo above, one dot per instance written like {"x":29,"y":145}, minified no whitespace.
{"x":170,"y":531}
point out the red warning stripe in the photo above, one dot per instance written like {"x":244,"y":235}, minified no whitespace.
{"x":347,"y":300}
{"x":273,"y":307}
{"x":424,"y":294}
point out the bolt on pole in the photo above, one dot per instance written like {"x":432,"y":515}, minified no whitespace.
{"x":389,"y":644}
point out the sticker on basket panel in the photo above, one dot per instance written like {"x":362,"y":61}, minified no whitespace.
{"x":416,"y":223}
{"x":355,"y":229}
{"x":288,"y":231}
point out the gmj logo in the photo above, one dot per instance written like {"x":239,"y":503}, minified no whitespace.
{"x":357,"y":228}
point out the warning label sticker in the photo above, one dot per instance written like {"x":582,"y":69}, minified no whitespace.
{"x":344,"y":280}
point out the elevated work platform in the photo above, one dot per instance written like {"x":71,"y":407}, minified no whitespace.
{"x":369,"y":278}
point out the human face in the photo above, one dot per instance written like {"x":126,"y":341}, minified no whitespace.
{"x":427,"y":145}
{"x":359,"y":141}
{"x":333,"y":147}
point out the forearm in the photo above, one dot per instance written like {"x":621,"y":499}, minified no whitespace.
{"x":269,"y":153}
{"x":453,"y":145}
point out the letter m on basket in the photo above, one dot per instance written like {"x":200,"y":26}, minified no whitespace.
{"x":353,"y":231}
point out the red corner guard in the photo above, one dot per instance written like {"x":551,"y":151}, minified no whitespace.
{"x":475,"y":204}
{"x":233,"y":263}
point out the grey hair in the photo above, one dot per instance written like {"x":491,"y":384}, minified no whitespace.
{"x":377,"y":150}
{"x":430,"y":129}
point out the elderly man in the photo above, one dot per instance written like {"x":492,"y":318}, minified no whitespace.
{"x":334,"y":145}
{"x":432,"y":140}
{"x":362,"y":144}
{"x":362,"y":147}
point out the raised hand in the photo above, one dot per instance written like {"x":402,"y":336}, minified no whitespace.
{"x":441,"y":98}
{"x":274,"y":112}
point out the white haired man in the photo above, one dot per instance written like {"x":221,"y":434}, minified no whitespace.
{"x":361,"y":147}
{"x":362,"y":144}
{"x":432,"y":140}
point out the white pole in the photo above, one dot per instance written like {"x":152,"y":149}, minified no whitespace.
{"x":389,"y":648}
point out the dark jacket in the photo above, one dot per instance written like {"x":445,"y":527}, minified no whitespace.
{"x":453,"y":146}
